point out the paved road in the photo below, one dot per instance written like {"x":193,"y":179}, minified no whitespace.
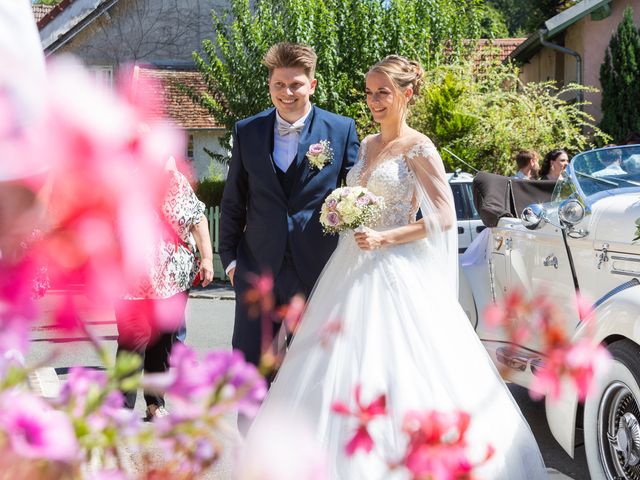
{"x":209,"y":326}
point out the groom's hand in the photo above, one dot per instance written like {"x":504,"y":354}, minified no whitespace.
{"x":231,"y":273}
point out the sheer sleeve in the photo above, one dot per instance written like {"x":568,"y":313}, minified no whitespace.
{"x":435,"y":200}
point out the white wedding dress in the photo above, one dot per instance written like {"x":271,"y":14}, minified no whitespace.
{"x":390,"y":321}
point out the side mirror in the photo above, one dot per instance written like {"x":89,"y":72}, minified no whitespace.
{"x":571,"y":212}
{"x":534,"y":216}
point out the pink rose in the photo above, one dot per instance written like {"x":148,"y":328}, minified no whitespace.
{"x":316,"y":149}
{"x":363,"y":200}
{"x":332,"y":203}
{"x":333,"y":219}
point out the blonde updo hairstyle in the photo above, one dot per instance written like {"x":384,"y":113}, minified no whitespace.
{"x":402,"y":72}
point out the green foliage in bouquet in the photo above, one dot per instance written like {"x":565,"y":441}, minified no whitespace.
{"x":482,"y":112}
{"x":348,"y":35}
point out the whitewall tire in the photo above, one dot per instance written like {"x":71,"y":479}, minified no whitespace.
{"x":612,"y":417}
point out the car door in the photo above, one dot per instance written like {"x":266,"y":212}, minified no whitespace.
{"x":461,"y":195}
{"x":537,"y":263}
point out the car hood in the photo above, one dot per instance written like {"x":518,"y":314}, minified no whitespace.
{"x":612,"y":221}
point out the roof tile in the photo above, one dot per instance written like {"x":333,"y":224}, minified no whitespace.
{"x":179,"y":107}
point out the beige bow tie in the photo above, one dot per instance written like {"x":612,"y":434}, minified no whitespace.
{"x":285,"y":130}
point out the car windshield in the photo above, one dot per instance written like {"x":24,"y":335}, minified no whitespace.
{"x":606,"y":170}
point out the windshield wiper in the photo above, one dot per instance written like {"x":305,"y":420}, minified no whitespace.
{"x":597,"y":179}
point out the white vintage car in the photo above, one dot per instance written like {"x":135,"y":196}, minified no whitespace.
{"x":560,"y":237}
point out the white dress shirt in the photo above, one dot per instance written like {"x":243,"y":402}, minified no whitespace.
{"x":285,"y":149}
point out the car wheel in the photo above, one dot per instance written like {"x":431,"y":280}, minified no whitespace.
{"x":612,"y":417}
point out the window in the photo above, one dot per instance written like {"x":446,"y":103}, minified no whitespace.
{"x":103,"y":75}
{"x":190,"y":146}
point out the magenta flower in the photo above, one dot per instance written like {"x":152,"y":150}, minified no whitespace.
{"x":364,"y":414}
{"x":565,"y":358}
{"x":80,"y":385}
{"x":34,"y":430}
{"x":578,"y":362}
{"x":196,"y":383}
{"x":437,"y":447}
{"x":17,"y":307}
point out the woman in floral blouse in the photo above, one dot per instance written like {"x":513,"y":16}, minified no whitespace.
{"x":152,"y":311}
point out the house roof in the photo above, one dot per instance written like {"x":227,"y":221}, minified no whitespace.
{"x":178,"y":106}
{"x":41,"y":10}
{"x":556,"y":26}
{"x":497,"y":48}
{"x":67,"y":19}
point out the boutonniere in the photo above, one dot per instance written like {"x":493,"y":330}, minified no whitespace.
{"x":319,"y":154}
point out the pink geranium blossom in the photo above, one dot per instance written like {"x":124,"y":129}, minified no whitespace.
{"x":364,"y":413}
{"x":576,"y":361}
{"x":34,"y":430}
{"x":438,"y":448}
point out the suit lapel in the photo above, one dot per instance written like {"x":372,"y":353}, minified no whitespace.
{"x":301,"y":162}
{"x":267,"y":154}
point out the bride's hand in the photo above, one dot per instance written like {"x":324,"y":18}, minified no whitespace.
{"x":368,"y":239}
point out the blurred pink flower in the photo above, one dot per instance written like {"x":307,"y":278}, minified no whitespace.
{"x":584,"y":306}
{"x":34,"y":430}
{"x":293,"y":312}
{"x":330,"y":331}
{"x":577,"y":363}
{"x":564,"y":360}
{"x":221,"y":380}
{"x":17,"y":306}
{"x":437,"y":448}
{"x":108,"y":181}
{"x":364,"y":414}
{"x":109,"y":475}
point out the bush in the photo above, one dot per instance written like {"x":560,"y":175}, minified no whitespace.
{"x":484,"y":114}
{"x":210,"y":191}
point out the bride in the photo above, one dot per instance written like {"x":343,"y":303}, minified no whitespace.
{"x":384,"y":313}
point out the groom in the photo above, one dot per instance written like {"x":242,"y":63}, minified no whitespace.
{"x":273,"y":193}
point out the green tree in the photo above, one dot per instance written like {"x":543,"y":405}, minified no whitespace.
{"x":483,"y":114}
{"x":493,"y":23}
{"x":619,"y":74}
{"x":348,"y":35}
{"x":523,"y":17}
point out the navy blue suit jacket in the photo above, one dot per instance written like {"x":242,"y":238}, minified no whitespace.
{"x":258,"y":220}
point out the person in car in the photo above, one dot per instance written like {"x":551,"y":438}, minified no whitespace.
{"x":553,"y":164}
{"x":527,"y":161}
{"x":612,"y":161}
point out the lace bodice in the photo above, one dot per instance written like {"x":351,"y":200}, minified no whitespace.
{"x":394,"y":181}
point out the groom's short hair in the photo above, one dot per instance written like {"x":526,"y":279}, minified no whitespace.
{"x":288,"y":55}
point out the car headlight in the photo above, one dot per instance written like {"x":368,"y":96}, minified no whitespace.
{"x":571,"y":212}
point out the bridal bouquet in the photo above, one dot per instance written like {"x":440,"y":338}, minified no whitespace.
{"x":348,"y":208}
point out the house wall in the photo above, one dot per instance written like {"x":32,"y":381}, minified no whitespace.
{"x":540,"y":68}
{"x":590,"y":39}
{"x":201,"y":160}
{"x":139,"y":30}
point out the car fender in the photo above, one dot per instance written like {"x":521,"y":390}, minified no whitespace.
{"x":615,"y":316}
